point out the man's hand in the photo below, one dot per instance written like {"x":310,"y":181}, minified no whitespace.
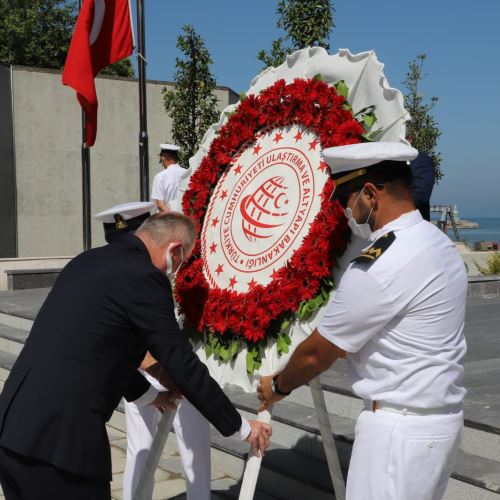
{"x":259,"y":437}
{"x":165,"y":401}
{"x":265,"y":393}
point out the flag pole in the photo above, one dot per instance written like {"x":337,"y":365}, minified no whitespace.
{"x":86,"y":221}
{"x":87,"y":238}
{"x":143,"y":117}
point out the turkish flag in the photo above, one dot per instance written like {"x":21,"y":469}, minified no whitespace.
{"x":103,"y":35}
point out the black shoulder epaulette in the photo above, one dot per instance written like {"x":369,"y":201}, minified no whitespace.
{"x":377,"y":249}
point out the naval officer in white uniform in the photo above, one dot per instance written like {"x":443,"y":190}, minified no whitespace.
{"x":191,"y":428}
{"x":166,"y":183}
{"x":398,"y":313}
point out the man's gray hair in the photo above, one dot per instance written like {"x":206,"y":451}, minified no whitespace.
{"x":172,"y":226}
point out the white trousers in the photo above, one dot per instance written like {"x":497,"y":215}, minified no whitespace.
{"x":398,"y":457}
{"x":193,"y":439}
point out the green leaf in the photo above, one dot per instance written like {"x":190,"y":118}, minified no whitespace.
{"x":318,"y":77}
{"x":284,"y":324}
{"x":253,"y":359}
{"x":242,"y":96}
{"x":342,"y":88}
{"x":304,"y":311}
{"x":369,"y":120}
{"x":250,"y":364}
{"x":283,"y":343}
{"x":233,"y":349}
{"x":223,"y":353}
{"x":370,"y":136}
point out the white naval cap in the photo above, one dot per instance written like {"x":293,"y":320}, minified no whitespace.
{"x":353,"y":159}
{"x":123,"y":218}
{"x":126,"y":211}
{"x":169,"y":147}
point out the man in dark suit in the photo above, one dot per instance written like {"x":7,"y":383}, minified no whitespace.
{"x":423,"y":172}
{"x":108,"y":307}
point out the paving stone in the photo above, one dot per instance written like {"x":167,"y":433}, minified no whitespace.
{"x":117,"y":483}
{"x":115,"y":434}
{"x":169,"y":489}
{"x":227,"y":485}
{"x":118,"y":459}
{"x":172,"y":465}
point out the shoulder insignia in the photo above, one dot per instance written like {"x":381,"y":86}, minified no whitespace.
{"x":377,"y":249}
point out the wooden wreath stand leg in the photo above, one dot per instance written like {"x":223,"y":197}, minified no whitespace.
{"x":159,"y":441}
{"x":325,"y":429}
{"x":252,"y":467}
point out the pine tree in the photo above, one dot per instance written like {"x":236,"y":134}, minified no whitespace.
{"x":422,"y":131}
{"x":192,"y":104}
{"x":307,"y":23}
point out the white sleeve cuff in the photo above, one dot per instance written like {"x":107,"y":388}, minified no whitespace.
{"x":245,"y":429}
{"x":148,"y":397}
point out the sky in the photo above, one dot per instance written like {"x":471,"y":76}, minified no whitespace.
{"x":460,"y":38}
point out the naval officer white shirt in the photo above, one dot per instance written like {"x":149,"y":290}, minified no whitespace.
{"x":166,"y":184}
{"x":401,"y":318}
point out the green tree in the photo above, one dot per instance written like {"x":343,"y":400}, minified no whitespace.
{"x":192,"y":104}
{"x":492,"y":265}
{"x":422,"y":131}
{"x":119,"y":68}
{"x":307,"y":23}
{"x":38,"y":33}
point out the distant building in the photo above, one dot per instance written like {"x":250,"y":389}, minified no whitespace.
{"x":484,"y":246}
{"x":40,"y":156}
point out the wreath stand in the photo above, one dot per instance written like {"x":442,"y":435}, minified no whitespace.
{"x":253,"y":464}
{"x":252,"y":468}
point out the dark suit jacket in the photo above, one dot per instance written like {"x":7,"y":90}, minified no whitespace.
{"x":108,"y":306}
{"x":423,"y":171}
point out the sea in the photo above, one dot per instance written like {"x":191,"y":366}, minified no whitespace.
{"x":489,"y":230}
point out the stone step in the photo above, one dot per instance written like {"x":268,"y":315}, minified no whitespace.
{"x":480,"y":440}
{"x":295,"y":432}
{"x":12,"y":339}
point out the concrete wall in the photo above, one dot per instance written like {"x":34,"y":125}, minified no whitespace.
{"x":8,"y":237}
{"x":47,"y":124}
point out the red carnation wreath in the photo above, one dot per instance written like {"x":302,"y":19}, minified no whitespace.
{"x":304,"y":282}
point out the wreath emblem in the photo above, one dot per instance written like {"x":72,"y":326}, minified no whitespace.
{"x":268,"y":234}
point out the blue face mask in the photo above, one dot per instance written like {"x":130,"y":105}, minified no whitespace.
{"x":362,"y":230}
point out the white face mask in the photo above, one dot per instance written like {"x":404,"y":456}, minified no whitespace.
{"x":362,"y":230}
{"x":169,"y":271}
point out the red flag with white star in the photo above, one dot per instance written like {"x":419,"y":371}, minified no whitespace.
{"x":102,"y":36}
